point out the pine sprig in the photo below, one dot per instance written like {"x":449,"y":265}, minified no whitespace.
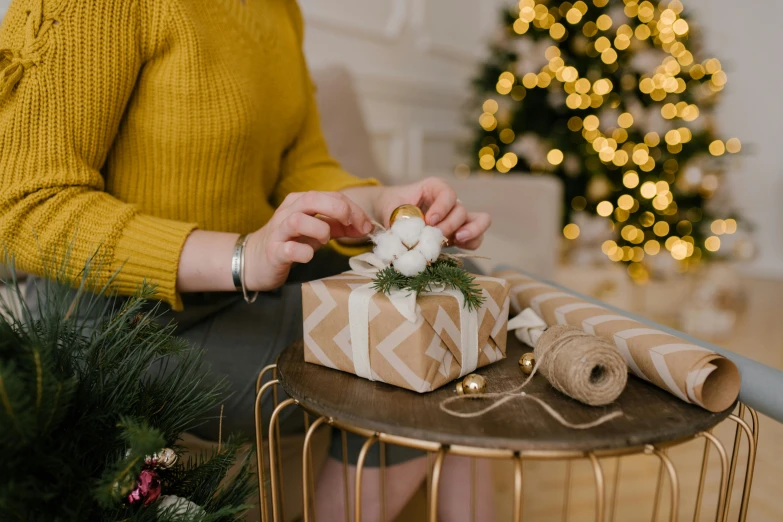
{"x":445,"y":271}
{"x":91,"y":385}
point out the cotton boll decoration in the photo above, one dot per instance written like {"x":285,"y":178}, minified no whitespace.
{"x":430,"y":242}
{"x":408,"y":230}
{"x":388,"y":246}
{"x":410,"y":263}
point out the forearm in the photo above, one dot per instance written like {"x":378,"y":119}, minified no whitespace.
{"x":205,"y":262}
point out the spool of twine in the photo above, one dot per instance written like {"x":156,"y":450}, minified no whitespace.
{"x":582,"y":366}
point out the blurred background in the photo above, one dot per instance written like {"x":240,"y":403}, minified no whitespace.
{"x":627,"y":149}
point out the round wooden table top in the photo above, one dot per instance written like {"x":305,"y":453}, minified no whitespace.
{"x":651,"y":415}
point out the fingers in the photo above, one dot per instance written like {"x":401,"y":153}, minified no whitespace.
{"x":473,"y":244}
{"x":440,"y":198}
{"x":333,"y":205}
{"x":299,"y":224}
{"x":340,"y":230}
{"x":293,"y":252}
{"x":454,"y":220}
{"x":473,"y":229}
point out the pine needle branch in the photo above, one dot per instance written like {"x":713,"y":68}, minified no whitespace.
{"x":445,"y":271}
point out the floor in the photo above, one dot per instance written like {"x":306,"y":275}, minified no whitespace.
{"x":758,"y":335}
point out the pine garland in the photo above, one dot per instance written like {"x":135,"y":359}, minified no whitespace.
{"x":445,"y":271}
{"x":89,"y":387}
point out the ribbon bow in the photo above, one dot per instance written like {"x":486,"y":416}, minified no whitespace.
{"x":527,"y":326}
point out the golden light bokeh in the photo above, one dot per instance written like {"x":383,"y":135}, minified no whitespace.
{"x":712,"y":243}
{"x":604,"y":208}
{"x":647,"y":190}
{"x":490,"y":106}
{"x":717,"y":148}
{"x":661,"y":228}
{"x":609,"y":56}
{"x":488,"y":121}
{"x":520,"y":26}
{"x":579,"y":203}
{"x":625,"y":202}
{"x":731,"y":225}
{"x":487,"y":162}
{"x":591,"y":122}
{"x":557,"y":31}
{"x":604,"y":22}
{"x":631,"y":179}
{"x":647,"y":219}
{"x":733,"y":145}
{"x":718,"y":227}
{"x":555,"y":156}
{"x":571,"y":231}
{"x":574,"y":16}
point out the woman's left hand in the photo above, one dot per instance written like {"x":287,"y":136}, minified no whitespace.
{"x":441,"y":208}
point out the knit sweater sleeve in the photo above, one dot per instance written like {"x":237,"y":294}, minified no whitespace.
{"x":307,"y":164}
{"x":67,"y":72}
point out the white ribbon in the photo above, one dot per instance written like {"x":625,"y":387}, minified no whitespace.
{"x":527,"y":326}
{"x":404,"y":301}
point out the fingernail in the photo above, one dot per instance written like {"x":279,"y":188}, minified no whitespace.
{"x":367,"y":227}
{"x":434,"y":219}
{"x":461,"y":235}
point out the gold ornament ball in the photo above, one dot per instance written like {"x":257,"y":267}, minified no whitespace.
{"x":405,"y":212}
{"x":527,"y":362}
{"x":472,"y":384}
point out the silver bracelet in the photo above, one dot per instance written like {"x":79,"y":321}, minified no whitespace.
{"x":238,"y":268}
{"x":248,"y":299}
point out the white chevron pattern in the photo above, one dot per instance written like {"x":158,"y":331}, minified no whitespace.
{"x":327,"y":305}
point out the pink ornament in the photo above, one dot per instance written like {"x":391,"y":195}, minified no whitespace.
{"x":147,"y":488}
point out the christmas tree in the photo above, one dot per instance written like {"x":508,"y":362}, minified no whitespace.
{"x":94,"y":397}
{"x":614,"y":99}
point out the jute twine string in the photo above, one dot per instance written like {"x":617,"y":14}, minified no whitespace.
{"x":582,"y":366}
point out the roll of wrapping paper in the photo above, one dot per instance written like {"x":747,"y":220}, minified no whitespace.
{"x":690,"y":372}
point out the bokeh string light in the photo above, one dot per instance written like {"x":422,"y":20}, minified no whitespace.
{"x":614,"y":97}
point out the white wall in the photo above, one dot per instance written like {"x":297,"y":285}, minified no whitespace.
{"x":413,"y":60}
{"x":746,"y":37}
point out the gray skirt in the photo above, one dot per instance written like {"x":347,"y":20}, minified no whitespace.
{"x":239,"y":339}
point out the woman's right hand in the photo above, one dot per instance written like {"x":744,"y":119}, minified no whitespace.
{"x":302,"y":224}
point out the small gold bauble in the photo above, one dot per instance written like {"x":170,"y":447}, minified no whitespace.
{"x":166,"y":458}
{"x":405,"y":212}
{"x":527,"y":362}
{"x":472,"y":384}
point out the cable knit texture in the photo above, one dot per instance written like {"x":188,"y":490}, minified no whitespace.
{"x":125,"y":124}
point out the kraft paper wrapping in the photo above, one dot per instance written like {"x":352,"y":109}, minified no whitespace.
{"x":691,"y":372}
{"x":420,"y":356}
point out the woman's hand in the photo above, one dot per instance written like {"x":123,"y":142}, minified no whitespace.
{"x":302,"y":224}
{"x":441,"y":207}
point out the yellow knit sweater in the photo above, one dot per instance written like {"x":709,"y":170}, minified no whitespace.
{"x":125,"y":124}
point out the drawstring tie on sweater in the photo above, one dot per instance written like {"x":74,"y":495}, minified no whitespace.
{"x":13,"y":64}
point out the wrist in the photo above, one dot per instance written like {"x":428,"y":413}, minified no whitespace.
{"x":254,"y":249}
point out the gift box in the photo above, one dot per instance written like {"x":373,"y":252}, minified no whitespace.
{"x":351,"y":327}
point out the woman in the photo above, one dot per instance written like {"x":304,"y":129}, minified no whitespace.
{"x":155,"y":132}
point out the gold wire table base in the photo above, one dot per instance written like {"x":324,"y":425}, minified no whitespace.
{"x":667,"y":471}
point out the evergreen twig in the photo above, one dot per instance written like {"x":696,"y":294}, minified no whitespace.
{"x":445,"y":271}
